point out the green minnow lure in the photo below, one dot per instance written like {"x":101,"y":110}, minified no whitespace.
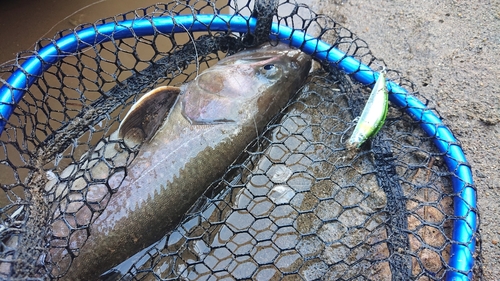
{"x":373,"y":115}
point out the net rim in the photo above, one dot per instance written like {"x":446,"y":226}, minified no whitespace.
{"x":463,"y":245}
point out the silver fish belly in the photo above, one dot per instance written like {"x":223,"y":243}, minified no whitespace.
{"x":215,"y":117}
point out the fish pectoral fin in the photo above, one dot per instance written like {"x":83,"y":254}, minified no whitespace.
{"x":147,"y":114}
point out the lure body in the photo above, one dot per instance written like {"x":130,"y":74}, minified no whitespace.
{"x":373,"y":115}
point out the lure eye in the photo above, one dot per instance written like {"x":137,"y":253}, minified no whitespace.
{"x":271,"y":71}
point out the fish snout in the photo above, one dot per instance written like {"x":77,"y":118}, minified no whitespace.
{"x":302,"y":62}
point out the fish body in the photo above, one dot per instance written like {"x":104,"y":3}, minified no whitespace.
{"x":215,"y":117}
{"x":373,"y":115}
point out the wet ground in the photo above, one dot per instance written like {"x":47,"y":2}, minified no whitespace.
{"x":448,"y":48}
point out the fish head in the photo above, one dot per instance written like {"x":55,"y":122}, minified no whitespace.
{"x":249,"y":83}
{"x":270,"y":63}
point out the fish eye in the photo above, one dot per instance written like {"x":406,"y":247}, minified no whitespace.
{"x":271,"y":71}
{"x":268,"y":66}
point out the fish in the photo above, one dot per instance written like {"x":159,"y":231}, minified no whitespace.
{"x":285,"y":209}
{"x":373,"y":115}
{"x":188,"y":136}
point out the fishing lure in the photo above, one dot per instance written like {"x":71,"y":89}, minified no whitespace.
{"x":373,"y":115}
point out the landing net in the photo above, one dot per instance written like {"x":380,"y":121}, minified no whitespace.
{"x":295,"y":205}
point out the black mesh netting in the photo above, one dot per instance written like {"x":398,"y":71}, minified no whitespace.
{"x":295,"y":205}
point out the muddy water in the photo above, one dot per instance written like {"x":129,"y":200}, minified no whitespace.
{"x":23,"y":22}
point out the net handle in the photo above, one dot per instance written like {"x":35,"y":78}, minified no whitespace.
{"x":465,"y":223}
{"x":263,"y":12}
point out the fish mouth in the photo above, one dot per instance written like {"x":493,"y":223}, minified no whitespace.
{"x":303,"y":61}
{"x":299,"y":61}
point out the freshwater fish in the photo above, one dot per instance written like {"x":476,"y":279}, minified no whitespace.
{"x":290,"y":210}
{"x":214,"y":117}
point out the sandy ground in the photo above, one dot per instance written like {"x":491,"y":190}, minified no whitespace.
{"x":450,"y":49}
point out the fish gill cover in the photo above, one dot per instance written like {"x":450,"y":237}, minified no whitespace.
{"x":295,"y":205}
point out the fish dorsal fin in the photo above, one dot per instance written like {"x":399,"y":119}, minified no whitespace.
{"x":147,"y":114}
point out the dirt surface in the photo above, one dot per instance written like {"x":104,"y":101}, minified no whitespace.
{"x":450,"y":50}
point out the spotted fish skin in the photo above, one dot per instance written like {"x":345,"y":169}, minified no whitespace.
{"x":215,"y":117}
{"x":373,"y":116}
